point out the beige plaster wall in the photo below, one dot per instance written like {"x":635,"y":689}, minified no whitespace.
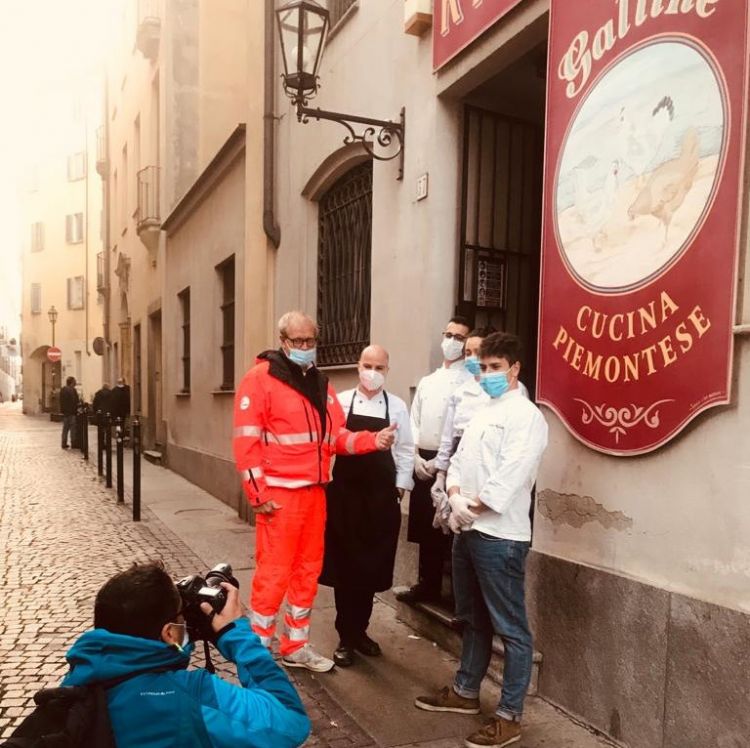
{"x":202,"y":420}
{"x":679,"y":518}
{"x":372,"y":68}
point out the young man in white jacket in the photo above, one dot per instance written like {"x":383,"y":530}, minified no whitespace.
{"x":489,"y":485}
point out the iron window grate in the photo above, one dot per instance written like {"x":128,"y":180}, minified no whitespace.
{"x":344,"y":262}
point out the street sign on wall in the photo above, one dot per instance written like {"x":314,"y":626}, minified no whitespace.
{"x":456,"y":23}
{"x":645,"y":141}
{"x":54,"y":354}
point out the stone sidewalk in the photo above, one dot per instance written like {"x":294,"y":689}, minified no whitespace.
{"x":65,"y":535}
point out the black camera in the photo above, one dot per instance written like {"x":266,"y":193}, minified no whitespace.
{"x":195,"y":590}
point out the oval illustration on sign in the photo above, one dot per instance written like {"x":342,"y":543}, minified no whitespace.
{"x":639,"y":165}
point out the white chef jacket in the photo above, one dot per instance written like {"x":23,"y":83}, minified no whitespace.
{"x":497,"y":462}
{"x":403,"y":447}
{"x":467,"y":399}
{"x":430,"y":399}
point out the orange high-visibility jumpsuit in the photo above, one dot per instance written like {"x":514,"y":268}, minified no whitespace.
{"x":286,"y":430}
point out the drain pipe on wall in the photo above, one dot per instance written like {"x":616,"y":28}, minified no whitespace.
{"x":270,"y":226}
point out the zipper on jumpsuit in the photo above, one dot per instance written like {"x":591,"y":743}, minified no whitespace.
{"x":309,"y":431}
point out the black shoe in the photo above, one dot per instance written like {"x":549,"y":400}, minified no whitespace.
{"x":65,"y":446}
{"x":417,"y":594}
{"x":367,"y":646}
{"x":344,"y":655}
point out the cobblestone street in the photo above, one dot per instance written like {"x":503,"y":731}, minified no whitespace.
{"x":62,"y":535}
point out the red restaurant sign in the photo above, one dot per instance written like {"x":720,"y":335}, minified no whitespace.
{"x":457,"y":23}
{"x":646,"y":119}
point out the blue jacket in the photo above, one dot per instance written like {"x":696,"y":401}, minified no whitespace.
{"x":190,"y":708}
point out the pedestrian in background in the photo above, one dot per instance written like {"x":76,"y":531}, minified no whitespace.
{"x":288,"y":425}
{"x":489,"y":485}
{"x":69,"y":408}
{"x":427,"y":413}
{"x":101,"y":403}
{"x":363,"y":513}
{"x":119,"y":403}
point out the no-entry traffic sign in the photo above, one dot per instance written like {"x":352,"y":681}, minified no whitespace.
{"x":54,"y":354}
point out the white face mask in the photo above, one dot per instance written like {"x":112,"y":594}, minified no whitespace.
{"x":452,"y":349}
{"x":371,"y":379}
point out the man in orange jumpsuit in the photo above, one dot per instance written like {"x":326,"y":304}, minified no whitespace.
{"x":288,"y":424}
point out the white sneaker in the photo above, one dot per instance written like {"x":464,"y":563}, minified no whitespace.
{"x":308,"y":658}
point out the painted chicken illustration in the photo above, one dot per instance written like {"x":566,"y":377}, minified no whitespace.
{"x":668,"y":185}
{"x":639,"y":138}
{"x":595,"y":208}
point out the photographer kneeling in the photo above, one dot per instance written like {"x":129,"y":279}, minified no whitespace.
{"x":140,"y":628}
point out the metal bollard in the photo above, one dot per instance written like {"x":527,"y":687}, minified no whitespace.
{"x":99,"y":443}
{"x":120,"y":446}
{"x":79,"y":426}
{"x":85,"y":432}
{"x":135,"y":427}
{"x":108,"y":448}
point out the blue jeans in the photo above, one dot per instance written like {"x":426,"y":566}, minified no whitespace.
{"x":69,"y":425}
{"x":488,"y":585}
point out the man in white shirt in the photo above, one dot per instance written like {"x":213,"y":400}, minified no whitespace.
{"x":363,"y":512}
{"x":427,"y":412}
{"x":489,"y":484}
{"x":467,"y":400}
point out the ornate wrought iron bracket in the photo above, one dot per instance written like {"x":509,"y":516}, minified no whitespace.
{"x":378,"y":133}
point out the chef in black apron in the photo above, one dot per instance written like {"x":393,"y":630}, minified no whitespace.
{"x":363,"y":511}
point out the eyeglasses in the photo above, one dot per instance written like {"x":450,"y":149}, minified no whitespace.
{"x":454,"y":336}
{"x":302,"y":342}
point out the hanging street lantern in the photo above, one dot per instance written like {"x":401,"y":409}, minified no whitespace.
{"x":303,"y":27}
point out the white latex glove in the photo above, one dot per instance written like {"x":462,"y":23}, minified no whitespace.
{"x":438,"y":496}
{"x":453,"y":524}
{"x":423,"y":469}
{"x":461,"y":509}
{"x":442,"y":514}
{"x":438,"y":489}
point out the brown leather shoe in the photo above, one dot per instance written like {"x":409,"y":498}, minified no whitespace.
{"x":496,"y":733}
{"x":447,"y":700}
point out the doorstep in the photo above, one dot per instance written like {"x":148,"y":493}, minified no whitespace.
{"x":438,"y":624}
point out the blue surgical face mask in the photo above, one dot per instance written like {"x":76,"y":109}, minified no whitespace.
{"x":302,"y":357}
{"x":472,"y":365}
{"x":495,"y":383}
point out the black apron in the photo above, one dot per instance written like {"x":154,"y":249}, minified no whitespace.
{"x":421,"y":510}
{"x":363,"y":514}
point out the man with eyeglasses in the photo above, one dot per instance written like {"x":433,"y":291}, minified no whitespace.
{"x":139,"y":640}
{"x":427,"y":414}
{"x":288,"y":425}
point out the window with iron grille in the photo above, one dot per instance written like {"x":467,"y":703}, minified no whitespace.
{"x":226,"y":275}
{"x":344,"y":255}
{"x":36,"y":298}
{"x":75,"y":292}
{"x":37,"y":237}
{"x":337,"y":9}
{"x":74,"y":228}
{"x":184,"y":298}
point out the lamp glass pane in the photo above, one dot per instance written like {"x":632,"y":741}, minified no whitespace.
{"x":289,"y":26}
{"x":314,"y":27}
